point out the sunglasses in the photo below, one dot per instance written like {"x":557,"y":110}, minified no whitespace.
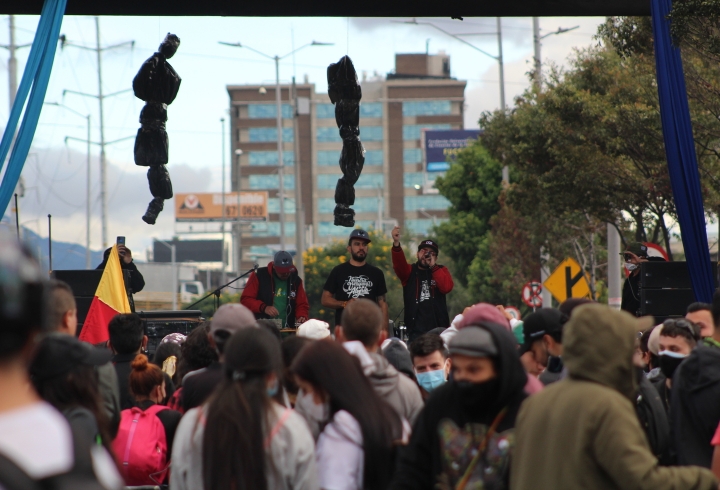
{"x":684,"y":324}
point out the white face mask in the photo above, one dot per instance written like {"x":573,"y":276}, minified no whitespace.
{"x":306,"y":403}
{"x":630,"y":266}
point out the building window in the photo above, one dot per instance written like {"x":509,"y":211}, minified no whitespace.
{"x":274,"y":205}
{"x":374,"y":157}
{"x":328,"y":134}
{"x":427,"y":108}
{"x":435,"y":202}
{"x":257,"y":135}
{"x":366,"y":181}
{"x":325,"y":111}
{"x":328,"y":228}
{"x":412,"y":155}
{"x":413,"y":131}
{"x":271,"y":181}
{"x":270,"y":158}
{"x":362,"y":205}
{"x":422,"y":226}
{"x":331,"y":158}
{"x":371,"y":133}
{"x":371,"y":109}
{"x":271,"y":228}
{"x":268,"y":111}
{"x":411,"y":179}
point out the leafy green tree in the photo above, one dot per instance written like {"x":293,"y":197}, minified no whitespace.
{"x":472,"y":185}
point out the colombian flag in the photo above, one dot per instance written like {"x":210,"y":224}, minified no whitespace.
{"x":110,"y":300}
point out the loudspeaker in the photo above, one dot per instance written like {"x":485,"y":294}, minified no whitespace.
{"x":159,"y":323}
{"x":665,"y":302}
{"x":668,"y":275}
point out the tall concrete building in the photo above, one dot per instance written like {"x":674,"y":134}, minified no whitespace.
{"x":393,"y":187}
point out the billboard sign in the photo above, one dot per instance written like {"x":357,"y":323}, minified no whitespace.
{"x":443,"y":145}
{"x":208,"y":206}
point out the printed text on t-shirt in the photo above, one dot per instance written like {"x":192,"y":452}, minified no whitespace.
{"x":357,"y":286}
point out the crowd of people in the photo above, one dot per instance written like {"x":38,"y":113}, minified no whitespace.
{"x":583,"y":396}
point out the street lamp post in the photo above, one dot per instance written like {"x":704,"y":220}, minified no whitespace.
{"x":278,"y":119}
{"x":238,"y":187}
{"x":222,"y":192}
{"x":536,"y":43}
{"x":87,"y":188}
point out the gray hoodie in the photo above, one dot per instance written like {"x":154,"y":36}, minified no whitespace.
{"x":398,"y":390}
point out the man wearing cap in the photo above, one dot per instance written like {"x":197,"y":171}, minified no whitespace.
{"x":542,"y":333}
{"x":464,"y":438}
{"x":198,"y":385}
{"x":277,"y":292}
{"x":635,"y":254}
{"x":355,"y":279}
{"x":425,"y":285}
{"x":586,"y":424}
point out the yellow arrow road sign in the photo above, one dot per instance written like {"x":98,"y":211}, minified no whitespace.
{"x":568,"y":281}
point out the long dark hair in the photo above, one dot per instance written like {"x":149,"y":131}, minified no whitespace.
{"x":327,"y":366}
{"x":77,"y":388}
{"x":233,"y":449}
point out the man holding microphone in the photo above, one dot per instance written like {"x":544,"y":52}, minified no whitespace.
{"x":425,"y":285}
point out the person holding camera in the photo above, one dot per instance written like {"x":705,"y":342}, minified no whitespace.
{"x":425,"y":285}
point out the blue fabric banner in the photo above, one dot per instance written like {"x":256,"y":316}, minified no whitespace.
{"x":36,"y":77}
{"x":680,"y":151}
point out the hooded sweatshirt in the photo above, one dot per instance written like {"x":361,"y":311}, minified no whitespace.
{"x":399,"y":391}
{"x":583,"y":432}
{"x":694,"y":414}
{"x":450,"y":428}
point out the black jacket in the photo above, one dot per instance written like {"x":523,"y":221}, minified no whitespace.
{"x":631,"y":294}
{"x":435,"y":454}
{"x":137,"y":281}
{"x":654,"y":421}
{"x":437,"y":304}
{"x":695,"y":406}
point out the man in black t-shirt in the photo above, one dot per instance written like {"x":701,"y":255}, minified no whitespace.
{"x":355,"y":279}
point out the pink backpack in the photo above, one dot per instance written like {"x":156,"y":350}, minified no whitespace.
{"x":141,"y":446}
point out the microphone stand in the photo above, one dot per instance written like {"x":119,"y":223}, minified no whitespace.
{"x":217,"y":292}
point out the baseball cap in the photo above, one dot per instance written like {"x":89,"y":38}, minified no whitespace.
{"x":360,"y":234}
{"x":314,"y":329}
{"x":654,"y":339}
{"x":429,"y":243}
{"x":283,"y":262}
{"x":174,"y":338}
{"x":545,"y":321}
{"x":232,"y":317}
{"x":639,"y":249}
{"x":473,"y":341}
{"x":57,"y":354}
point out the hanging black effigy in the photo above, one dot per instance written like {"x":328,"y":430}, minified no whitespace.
{"x":345,"y":93}
{"x":157,"y":83}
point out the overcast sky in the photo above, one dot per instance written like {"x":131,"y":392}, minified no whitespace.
{"x":55,"y":172}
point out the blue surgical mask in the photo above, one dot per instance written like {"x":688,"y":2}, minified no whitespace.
{"x":430,"y":380}
{"x":273,"y":390}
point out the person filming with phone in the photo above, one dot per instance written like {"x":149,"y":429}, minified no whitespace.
{"x":425,"y":285}
{"x":137,"y":281}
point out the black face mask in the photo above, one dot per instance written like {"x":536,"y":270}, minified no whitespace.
{"x":474,"y":394}
{"x":669,"y":364}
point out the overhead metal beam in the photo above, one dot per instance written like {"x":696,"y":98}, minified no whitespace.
{"x":366,"y":8}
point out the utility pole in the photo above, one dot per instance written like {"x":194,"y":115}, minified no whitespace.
{"x":536,"y":45}
{"x":299,"y":207}
{"x":224,"y":267}
{"x":501,"y":66}
{"x":281,"y":162}
{"x":12,"y":63}
{"x":101,"y":97}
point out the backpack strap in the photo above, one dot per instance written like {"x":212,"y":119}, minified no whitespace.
{"x":281,"y":421}
{"x":12,"y":477}
{"x":155,"y":409}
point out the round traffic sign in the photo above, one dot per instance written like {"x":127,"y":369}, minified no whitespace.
{"x":532,"y":294}
{"x":513,"y":312}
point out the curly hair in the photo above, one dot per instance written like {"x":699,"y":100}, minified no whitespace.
{"x":197,"y":353}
